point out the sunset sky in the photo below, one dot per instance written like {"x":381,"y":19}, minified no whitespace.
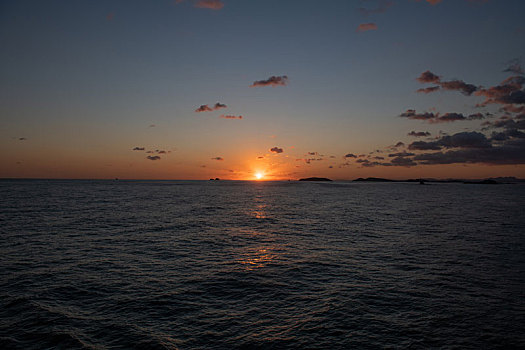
{"x":288,"y":89}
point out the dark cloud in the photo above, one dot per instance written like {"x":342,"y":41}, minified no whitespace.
{"x":364,"y":27}
{"x":434,"y":118}
{"x":218,"y":158}
{"x":206,"y":108}
{"x":153,"y":157}
{"x":428,"y":89}
{"x":401,"y":154}
{"x":412,"y":114}
{"x":419,"y":133}
{"x":210,"y":4}
{"x":512,"y":152}
{"x":382,"y":7}
{"x":139,"y":149}
{"x":230,"y":116}
{"x":350,"y":155}
{"x":428,"y":77}
{"x":466,"y":139}
{"x":203,"y":108}
{"x":22,"y":139}
{"x":276,"y":150}
{"x":514,"y":67}
{"x":399,"y":144}
{"x":459,"y":85}
{"x":272,"y":81}
{"x":402,"y":161}
{"x":424,"y":146}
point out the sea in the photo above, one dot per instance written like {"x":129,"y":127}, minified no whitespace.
{"x":261,"y":265}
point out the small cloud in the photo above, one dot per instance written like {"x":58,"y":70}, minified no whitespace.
{"x":230,"y":116}
{"x":419,"y":133}
{"x":203,"y":108}
{"x":428,"y":90}
{"x":139,"y":149}
{"x":152,"y":125}
{"x":434,"y":2}
{"x":206,"y":108}
{"x":153,"y":157}
{"x":349,"y":155}
{"x":428,"y":77}
{"x":272,"y":81}
{"x":276,"y":150}
{"x":364,"y":27}
{"x":22,"y":139}
{"x":218,"y":158}
{"x":210,"y":4}
{"x":399,"y":144}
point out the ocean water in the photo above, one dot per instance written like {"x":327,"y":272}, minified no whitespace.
{"x":260,"y":265}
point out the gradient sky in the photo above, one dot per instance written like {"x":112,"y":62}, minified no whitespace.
{"x":83,"y":83}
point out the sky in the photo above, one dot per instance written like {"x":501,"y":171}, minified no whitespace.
{"x":199,"y":89}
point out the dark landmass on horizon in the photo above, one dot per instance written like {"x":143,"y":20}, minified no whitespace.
{"x":489,"y":181}
{"x":315,"y":179}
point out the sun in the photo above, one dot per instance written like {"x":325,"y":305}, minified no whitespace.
{"x":258,"y":176}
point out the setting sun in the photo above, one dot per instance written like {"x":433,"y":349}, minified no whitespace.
{"x":258,"y":176}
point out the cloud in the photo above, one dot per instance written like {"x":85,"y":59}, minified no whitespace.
{"x":466,"y":139}
{"x":272,"y":81}
{"x":206,"y":108}
{"x":428,"y":90}
{"x":153,"y":157}
{"x":139,"y":149}
{"x":349,"y":155}
{"x":508,"y":92}
{"x":433,"y":2}
{"x":382,"y":7}
{"x":434,"y":118}
{"x":459,"y":85}
{"x":400,"y":154}
{"x":152,"y":125}
{"x":22,"y":139}
{"x":210,"y":4}
{"x":203,"y":108}
{"x":399,"y":144}
{"x":515,"y":67}
{"x":428,"y":77}
{"x":419,"y":133}
{"x":510,"y":153}
{"x":364,"y":27}
{"x":218,"y":158}
{"x":276,"y":150}
{"x":230,"y":116}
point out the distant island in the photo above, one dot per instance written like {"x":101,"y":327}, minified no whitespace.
{"x":315,"y":179}
{"x":490,"y":181}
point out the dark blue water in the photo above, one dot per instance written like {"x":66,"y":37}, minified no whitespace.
{"x":271,"y":265}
